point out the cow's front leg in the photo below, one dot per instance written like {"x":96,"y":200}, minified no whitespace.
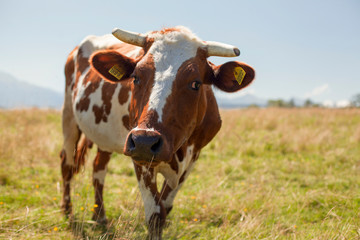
{"x":168,"y":196}
{"x":99,"y":172}
{"x":168,"y":193}
{"x":155,"y":213}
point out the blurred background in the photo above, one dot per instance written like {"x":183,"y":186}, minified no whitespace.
{"x":304,"y":52}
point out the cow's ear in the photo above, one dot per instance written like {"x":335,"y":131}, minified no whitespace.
{"x":232,"y":76}
{"x":112,"y":65}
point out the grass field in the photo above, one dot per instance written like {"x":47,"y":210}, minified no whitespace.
{"x":269,"y":174}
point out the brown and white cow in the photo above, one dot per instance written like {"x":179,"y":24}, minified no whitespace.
{"x":150,"y":98}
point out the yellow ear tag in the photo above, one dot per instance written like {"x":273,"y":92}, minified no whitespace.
{"x":239,"y":74}
{"x":117,"y":71}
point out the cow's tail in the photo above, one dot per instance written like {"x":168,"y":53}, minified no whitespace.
{"x":83,"y":146}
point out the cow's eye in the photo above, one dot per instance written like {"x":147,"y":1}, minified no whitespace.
{"x":195,"y":85}
{"x":136,"y":80}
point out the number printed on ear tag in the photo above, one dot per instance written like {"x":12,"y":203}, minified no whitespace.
{"x":117,"y":71}
{"x":239,"y":74}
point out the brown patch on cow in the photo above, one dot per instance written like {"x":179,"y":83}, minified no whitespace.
{"x":99,"y":114}
{"x":74,"y":87}
{"x":84,"y":102}
{"x":174,"y":165}
{"x":147,"y":177}
{"x":165,"y":191}
{"x":101,"y":160}
{"x":145,"y":71}
{"x":80,"y":153}
{"x":91,"y":77}
{"x":66,"y":170}
{"x":138,"y":171}
{"x":126,"y":122}
{"x":70,"y":68}
{"x":103,"y":111}
{"x":182,"y":178}
{"x":82,"y":62}
{"x":180,"y":155}
{"x":181,"y":124}
{"x":125,"y":48}
{"x":210,"y":125}
{"x":124,"y":94}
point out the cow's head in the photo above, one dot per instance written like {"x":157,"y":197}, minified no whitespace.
{"x":168,"y":83}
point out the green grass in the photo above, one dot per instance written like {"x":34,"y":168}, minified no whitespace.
{"x":269,"y":174}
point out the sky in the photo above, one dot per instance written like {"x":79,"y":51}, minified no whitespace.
{"x":299,"y":49}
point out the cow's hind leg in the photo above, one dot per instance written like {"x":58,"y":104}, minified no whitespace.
{"x":71,"y":134}
{"x":99,"y":172}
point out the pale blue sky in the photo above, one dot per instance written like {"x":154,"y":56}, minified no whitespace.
{"x":307,"y":48}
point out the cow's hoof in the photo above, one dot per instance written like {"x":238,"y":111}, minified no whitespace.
{"x":154,"y":237}
{"x":66,"y":209}
{"x":155,"y":227}
{"x":168,"y":210}
{"x":101,"y":220}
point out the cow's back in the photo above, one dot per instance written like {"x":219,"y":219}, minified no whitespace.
{"x":100,"y":108}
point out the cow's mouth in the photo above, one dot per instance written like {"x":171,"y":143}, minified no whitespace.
{"x":146,"y":163}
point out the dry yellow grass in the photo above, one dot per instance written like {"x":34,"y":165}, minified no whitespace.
{"x":269,"y":174}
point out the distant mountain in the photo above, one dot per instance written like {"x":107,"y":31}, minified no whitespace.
{"x":238,"y":100}
{"x":18,"y":94}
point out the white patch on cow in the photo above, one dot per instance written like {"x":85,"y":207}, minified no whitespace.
{"x":144,"y":129}
{"x":169,"y":174}
{"x":168,"y":202}
{"x":184,"y":164}
{"x":150,"y":205}
{"x":100,"y":176}
{"x":169,"y":51}
{"x":134,"y":53}
{"x":110,"y":136}
{"x":93,"y":43}
{"x":80,"y":88}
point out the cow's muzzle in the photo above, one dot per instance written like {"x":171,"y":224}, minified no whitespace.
{"x":144,"y":146}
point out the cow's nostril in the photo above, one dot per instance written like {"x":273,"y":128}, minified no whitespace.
{"x":155,"y":148}
{"x":131,"y":143}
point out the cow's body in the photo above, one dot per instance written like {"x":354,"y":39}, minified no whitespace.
{"x":107,"y":114}
{"x":99,"y":104}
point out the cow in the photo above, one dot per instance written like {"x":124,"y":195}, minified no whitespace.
{"x":149,"y":97}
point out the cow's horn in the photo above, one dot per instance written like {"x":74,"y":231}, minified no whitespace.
{"x":222,"y":49}
{"x":137,"y":39}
